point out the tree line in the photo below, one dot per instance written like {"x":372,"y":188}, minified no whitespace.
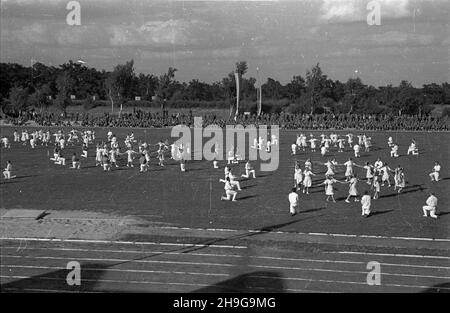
{"x":40,"y":86}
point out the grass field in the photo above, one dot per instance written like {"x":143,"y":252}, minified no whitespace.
{"x":168,"y":197}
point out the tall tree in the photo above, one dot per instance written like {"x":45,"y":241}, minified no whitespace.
{"x":64,"y":85}
{"x":316,"y":81}
{"x":241,"y":68}
{"x":295,"y":87}
{"x":165,"y":86}
{"x":18,"y":98}
{"x":118,"y":82}
{"x":40,"y":97}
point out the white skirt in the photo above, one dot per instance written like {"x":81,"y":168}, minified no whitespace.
{"x":307,"y":182}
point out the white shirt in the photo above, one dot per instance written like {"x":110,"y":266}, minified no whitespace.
{"x":293,"y":198}
{"x":437,"y":168}
{"x":365,"y":202}
{"x":349,"y":164}
{"x":432,"y":201}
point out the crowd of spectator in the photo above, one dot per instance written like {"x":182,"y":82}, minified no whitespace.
{"x":142,"y":119}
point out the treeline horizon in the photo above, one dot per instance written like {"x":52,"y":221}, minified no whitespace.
{"x":41,"y":86}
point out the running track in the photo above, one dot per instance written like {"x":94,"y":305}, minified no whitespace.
{"x":112,"y":266}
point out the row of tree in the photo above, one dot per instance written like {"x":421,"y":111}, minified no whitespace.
{"x":41,"y":86}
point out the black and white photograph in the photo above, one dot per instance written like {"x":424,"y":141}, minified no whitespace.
{"x":220,"y":153}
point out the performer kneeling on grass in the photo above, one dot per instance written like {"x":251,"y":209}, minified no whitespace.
{"x":431,"y":205}
{"x":435,"y":174}
{"x":413,"y":148}
{"x":60,"y":160}
{"x":394,"y":151}
{"x":365,"y":204}
{"x":248,"y":170}
{"x":229,"y":192}
{"x":293,"y":201}
{"x":8,"y":170}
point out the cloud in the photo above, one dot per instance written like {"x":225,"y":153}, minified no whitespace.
{"x":351,"y":52}
{"x":173,"y":32}
{"x":83,"y":36}
{"x":446,"y":42}
{"x":356,"y":10}
{"x":388,"y":38}
{"x":228,"y":53}
{"x":35,"y":33}
{"x":402,"y":38}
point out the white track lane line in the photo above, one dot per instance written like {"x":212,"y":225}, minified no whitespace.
{"x":227,"y":255}
{"x":206,"y":285}
{"x":391,"y":254}
{"x":223,"y":265}
{"x":232,"y":230}
{"x":137,"y":243}
{"x":115,"y":270}
{"x":310,"y":234}
{"x":141,"y":282}
{"x":356,"y":283}
{"x":45,"y":290}
{"x":312,"y":269}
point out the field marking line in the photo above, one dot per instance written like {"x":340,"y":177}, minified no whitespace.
{"x":140,"y":282}
{"x":359,"y":283}
{"x":107,"y":280}
{"x":121,"y":242}
{"x":99,"y":218}
{"x":390,"y":254}
{"x":253,"y":276}
{"x":226,"y":255}
{"x":199,"y":263}
{"x":116,"y":270}
{"x":311,"y":234}
{"x":44,"y":290}
{"x":312,"y":269}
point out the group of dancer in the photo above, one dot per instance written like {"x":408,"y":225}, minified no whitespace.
{"x":108,"y":152}
{"x":332,"y":141}
{"x":377,"y":175}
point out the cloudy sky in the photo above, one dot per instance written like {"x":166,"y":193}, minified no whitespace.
{"x":204,"y":39}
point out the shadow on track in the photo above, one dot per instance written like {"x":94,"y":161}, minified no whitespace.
{"x":263,"y":281}
{"x":440,"y":288}
{"x":56,"y":280}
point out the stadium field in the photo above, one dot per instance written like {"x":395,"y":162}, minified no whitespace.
{"x":165,"y":196}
